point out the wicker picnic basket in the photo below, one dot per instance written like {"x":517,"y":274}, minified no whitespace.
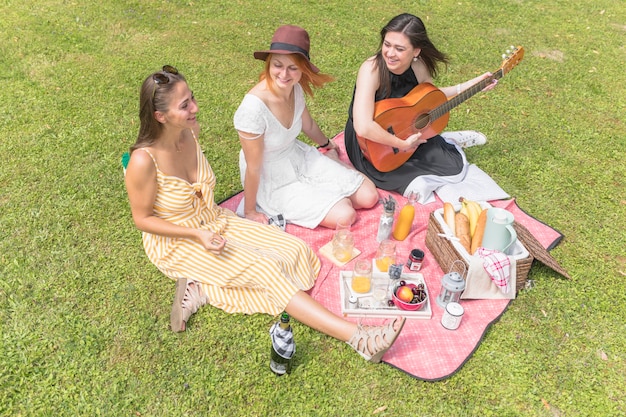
{"x":446,"y":254}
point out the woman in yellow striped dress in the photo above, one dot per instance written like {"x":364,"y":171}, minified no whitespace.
{"x":234,"y":264}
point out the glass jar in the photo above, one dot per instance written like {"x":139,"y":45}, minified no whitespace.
{"x":385,"y":255}
{"x":362,"y":276}
{"x":343,"y":245}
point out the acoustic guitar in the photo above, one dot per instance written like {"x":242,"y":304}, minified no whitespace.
{"x":424,"y":109}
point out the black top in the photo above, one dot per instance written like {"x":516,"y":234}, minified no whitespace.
{"x":435,"y":157}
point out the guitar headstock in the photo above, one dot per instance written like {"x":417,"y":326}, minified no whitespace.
{"x":511,"y":58}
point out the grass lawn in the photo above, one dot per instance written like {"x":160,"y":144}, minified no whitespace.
{"x":84,"y":316}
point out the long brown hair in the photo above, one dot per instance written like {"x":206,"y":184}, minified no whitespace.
{"x":414,"y":29}
{"x":153,"y":97}
{"x":309,"y":78}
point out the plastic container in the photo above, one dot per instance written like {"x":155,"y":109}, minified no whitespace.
{"x":405,"y":218}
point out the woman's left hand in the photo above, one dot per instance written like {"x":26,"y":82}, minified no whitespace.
{"x":492,"y":84}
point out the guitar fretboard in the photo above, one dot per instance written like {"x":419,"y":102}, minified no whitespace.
{"x":445,"y":108}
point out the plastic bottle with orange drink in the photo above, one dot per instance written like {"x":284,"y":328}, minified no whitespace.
{"x":405,"y":218}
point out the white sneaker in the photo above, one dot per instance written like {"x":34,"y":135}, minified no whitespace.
{"x":466,"y":138}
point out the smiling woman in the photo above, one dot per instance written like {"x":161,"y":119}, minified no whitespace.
{"x":406,"y":58}
{"x":282,"y":175}
{"x":215,"y":256}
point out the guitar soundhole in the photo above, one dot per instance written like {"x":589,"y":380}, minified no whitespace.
{"x":422,"y":121}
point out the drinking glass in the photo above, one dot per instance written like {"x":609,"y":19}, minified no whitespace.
{"x":343,"y":241}
{"x":380,"y":289}
{"x":386,"y":255}
{"x":362,"y":276}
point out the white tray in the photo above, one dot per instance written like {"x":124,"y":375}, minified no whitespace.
{"x":367,"y":306}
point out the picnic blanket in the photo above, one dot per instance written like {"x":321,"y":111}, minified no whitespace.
{"x":425,"y":349}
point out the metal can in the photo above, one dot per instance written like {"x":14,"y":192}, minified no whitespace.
{"x":452,"y":316}
{"x":416,"y":257}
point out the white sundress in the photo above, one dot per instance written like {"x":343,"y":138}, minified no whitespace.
{"x":297,"y":181}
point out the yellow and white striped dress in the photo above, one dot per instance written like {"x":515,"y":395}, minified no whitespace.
{"x":260,"y":268}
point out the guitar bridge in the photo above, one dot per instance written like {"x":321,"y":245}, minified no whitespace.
{"x":390,"y":130}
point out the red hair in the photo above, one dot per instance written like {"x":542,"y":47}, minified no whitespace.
{"x":309,"y":78}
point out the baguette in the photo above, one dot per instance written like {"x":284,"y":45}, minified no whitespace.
{"x":463,"y":231}
{"x":448,"y":216}
{"x":477,"y":240}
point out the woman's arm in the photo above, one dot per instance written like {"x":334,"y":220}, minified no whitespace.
{"x":313,"y":131}
{"x":363,"y":111}
{"x":454,"y":90}
{"x":252,"y":146}
{"x":141,"y":187}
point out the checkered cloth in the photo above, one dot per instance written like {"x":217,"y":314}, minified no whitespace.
{"x":498,"y":267}
{"x":282,"y":340}
{"x":278,"y":220}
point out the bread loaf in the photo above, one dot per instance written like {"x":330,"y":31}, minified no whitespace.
{"x":463,"y":231}
{"x":448,"y":216}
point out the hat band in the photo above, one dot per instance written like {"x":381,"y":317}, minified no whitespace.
{"x":289,"y":47}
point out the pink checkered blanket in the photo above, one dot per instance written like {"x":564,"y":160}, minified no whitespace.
{"x":424,"y":349}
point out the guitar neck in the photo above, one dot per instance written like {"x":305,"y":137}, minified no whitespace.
{"x":460,"y":98}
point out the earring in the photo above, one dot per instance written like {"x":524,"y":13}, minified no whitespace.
{"x":414,"y":59}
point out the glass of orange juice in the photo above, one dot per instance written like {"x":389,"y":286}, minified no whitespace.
{"x":362,"y":276}
{"x":343,"y":246}
{"x":385,"y":255}
{"x":343,"y":241}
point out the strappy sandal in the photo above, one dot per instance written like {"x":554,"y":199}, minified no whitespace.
{"x":373,"y":342}
{"x":183,"y":307}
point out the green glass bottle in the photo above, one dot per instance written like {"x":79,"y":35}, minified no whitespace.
{"x":283,"y":346}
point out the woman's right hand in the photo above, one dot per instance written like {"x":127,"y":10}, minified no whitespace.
{"x":257,"y":217}
{"x":412,"y":142}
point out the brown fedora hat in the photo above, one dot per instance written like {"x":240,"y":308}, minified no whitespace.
{"x":289,"y":39}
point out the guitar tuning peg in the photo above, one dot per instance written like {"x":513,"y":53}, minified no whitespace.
{"x":503,"y":56}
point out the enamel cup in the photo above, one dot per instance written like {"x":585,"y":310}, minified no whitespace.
{"x":499,"y":231}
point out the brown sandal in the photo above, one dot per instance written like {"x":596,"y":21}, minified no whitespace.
{"x":188,"y":298}
{"x":373,"y":342}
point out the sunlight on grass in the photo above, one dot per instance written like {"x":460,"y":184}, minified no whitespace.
{"x":84,"y":316}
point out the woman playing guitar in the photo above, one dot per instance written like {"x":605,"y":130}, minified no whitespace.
{"x":406,"y":58}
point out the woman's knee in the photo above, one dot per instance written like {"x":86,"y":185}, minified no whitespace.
{"x":343,"y":210}
{"x":366,"y":196}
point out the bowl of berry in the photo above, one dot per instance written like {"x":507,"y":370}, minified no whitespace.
{"x":409,"y":296}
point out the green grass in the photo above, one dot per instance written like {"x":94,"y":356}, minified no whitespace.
{"x":84,"y":315}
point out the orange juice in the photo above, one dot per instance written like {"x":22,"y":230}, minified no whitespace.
{"x":386,"y":255}
{"x":361,"y":284}
{"x":383,"y":263}
{"x":405,"y":218}
{"x":342,"y":254}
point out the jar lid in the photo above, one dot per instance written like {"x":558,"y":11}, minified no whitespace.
{"x":454,"y":309}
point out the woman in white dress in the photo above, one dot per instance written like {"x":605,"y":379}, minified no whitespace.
{"x":282,"y":175}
